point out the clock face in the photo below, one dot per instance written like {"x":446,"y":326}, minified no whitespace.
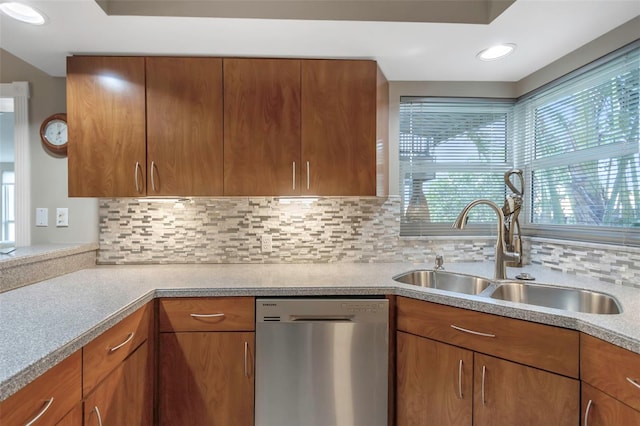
{"x":56,"y":132}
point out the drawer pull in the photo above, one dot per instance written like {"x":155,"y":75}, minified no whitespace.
{"x":477,"y":333}
{"x":115,"y":348}
{"x":97,"y":411}
{"x":633,"y":382}
{"x":484,"y":373}
{"x":586,"y":413}
{"x":41,"y":413}
{"x":460,"y":380}
{"x":221,"y":314}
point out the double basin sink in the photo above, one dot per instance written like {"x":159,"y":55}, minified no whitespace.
{"x":549,"y":296}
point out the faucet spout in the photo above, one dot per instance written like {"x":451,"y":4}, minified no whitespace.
{"x":502,"y":255}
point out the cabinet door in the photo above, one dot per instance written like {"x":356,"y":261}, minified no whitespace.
{"x":339,"y":127}
{"x":599,"y":409}
{"x":73,"y":417}
{"x":125,"y":397}
{"x":434,"y":382}
{"x":206,"y":378}
{"x":261,"y":127}
{"x":106,"y":117}
{"x":506,"y":393}
{"x":184,"y":126}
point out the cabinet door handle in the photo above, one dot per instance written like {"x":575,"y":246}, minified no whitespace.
{"x":294,"y":176}
{"x":135,"y":176}
{"x":308,"y":172}
{"x":460,"y":380}
{"x":633,"y":382}
{"x":477,"y":333}
{"x":221,"y":314}
{"x":41,"y":413}
{"x":246,"y":359}
{"x":127,"y":340}
{"x":484,"y":373}
{"x":586,"y":413}
{"x":153,"y":182}
{"x":97,"y":411}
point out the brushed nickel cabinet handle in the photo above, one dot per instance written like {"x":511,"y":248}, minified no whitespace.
{"x":221,"y":314}
{"x":135,"y":176}
{"x":128,"y":339}
{"x":246,"y":356}
{"x":97,"y":411}
{"x":477,"y":333}
{"x":586,"y":413}
{"x":294,"y":175}
{"x":308,"y":172}
{"x":41,"y":413}
{"x":484,"y":373}
{"x":460,"y":380}
{"x":633,"y":382}
{"x":153,"y":182}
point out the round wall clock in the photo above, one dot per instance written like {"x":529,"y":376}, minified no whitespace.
{"x":54,"y":135}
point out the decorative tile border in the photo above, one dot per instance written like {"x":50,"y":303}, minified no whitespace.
{"x":327,"y":230}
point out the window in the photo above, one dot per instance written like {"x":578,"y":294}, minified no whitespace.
{"x":579,"y":145}
{"x":451,"y":152}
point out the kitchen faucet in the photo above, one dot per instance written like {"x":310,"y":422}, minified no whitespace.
{"x":502,"y":255}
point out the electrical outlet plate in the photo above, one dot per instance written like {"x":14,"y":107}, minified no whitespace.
{"x":42,"y":216}
{"x":62,"y":216}
{"x":266,"y":243}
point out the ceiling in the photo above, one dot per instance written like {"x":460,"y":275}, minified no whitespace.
{"x":544,"y":31}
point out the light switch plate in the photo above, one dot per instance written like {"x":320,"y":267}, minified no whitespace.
{"x":42,"y":216}
{"x":62,"y":216}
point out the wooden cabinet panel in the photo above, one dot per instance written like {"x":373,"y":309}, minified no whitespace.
{"x":207,"y":314}
{"x":73,"y":417}
{"x":339,"y":127}
{"x":261,"y":127}
{"x":184,"y":126}
{"x":53,"y":394}
{"x":506,"y":393}
{"x":206,"y":378}
{"x":125,"y":396}
{"x":434,"y":382}
{"x":604,"y":410}
{"x":611,"y":369}
{"x":550,"y":348}
{"x":106,"y":117}
{"x":106,"y":351}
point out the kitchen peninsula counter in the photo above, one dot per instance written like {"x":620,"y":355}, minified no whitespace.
{"x":43,"y":323}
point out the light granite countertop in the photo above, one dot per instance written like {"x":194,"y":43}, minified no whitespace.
{"x":43,"y":323}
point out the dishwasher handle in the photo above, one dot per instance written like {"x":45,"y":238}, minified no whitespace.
{"x":321,"y":318}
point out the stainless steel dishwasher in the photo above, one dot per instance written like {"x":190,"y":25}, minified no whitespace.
{"x":321,"y":362}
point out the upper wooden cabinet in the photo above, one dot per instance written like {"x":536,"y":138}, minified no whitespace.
{"x":184,"y":126}
{"x":106,"y":117}
{"x":339,"y":100}
{"x":262,"y":127}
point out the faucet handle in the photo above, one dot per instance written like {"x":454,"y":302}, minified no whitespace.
{"x":439,"y":262}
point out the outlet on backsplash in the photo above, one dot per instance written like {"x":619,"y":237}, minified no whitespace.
{"x":266,"y":243}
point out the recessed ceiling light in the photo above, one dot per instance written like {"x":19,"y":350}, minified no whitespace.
{"x":496,"y":52}
{"x":23,"y":13}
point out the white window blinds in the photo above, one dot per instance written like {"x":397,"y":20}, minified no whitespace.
{"x":578,"y":141}
{"x":451,"y":152}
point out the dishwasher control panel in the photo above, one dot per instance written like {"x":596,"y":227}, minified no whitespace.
{"x":322,"y":310}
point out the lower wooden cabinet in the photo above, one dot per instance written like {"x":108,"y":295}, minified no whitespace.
{"x":206,"y":378}
{"x":73,"y":417}
{"x":600,"y":409}
{"x":125,"y":396}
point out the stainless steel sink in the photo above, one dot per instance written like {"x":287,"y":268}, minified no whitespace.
{"x":443,"y":280}
{"x":569,"y":299}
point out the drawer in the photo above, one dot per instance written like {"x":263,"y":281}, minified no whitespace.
{"x":106,"y":351}
{"x":207,"y":314}
{"x":610,"y":368}
{"x":537,"y":345}
{"x":51,"y":395}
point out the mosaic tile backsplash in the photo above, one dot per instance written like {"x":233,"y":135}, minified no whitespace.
{"x":352,"y":229}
